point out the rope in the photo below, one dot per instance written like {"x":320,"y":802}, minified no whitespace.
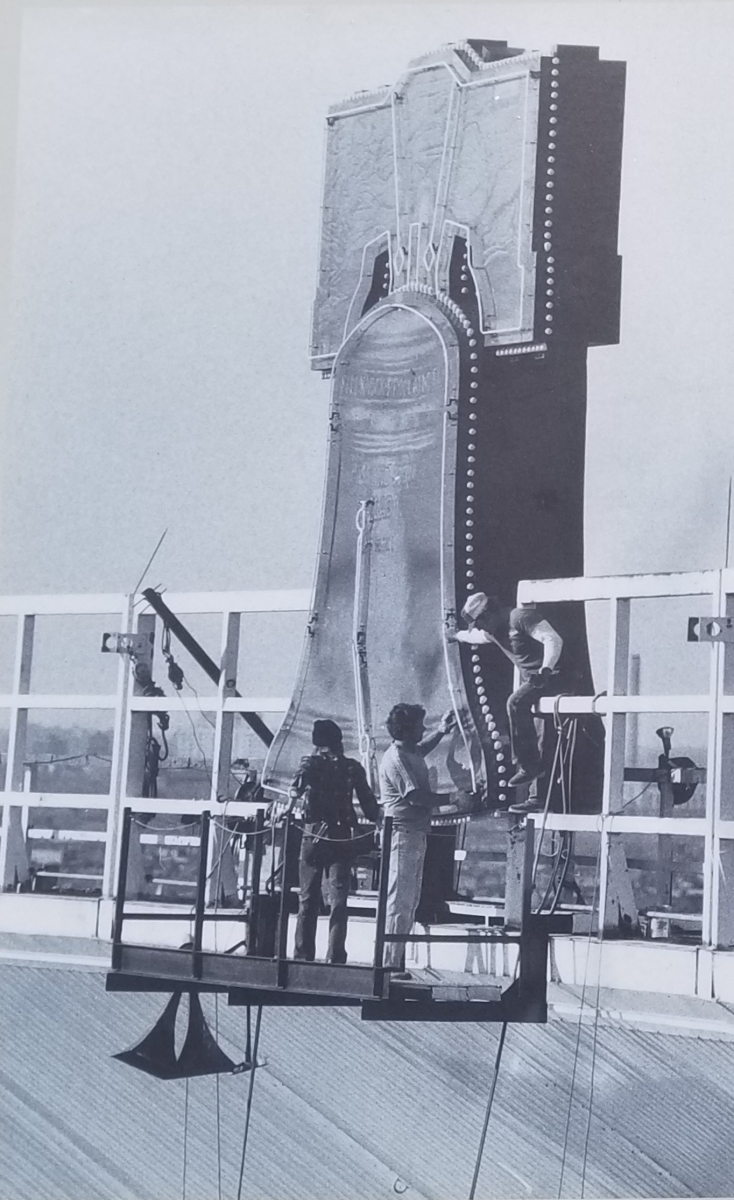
{"x":248,"y":1111}
{"x":488,"y":1113}
{"x":51,"y":762}
{"x":178,"y":828}
{"x":320,"y":837}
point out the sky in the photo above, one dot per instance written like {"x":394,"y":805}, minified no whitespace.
{"x":163,"y":170}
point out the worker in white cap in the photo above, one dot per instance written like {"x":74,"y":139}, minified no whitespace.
{"x":534,"y":647}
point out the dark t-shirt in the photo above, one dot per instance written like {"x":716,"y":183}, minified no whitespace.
{"x":327,"y":783}
{"x":515,"y":636}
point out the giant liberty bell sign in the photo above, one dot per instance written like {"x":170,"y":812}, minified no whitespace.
{"x":468,"y":261}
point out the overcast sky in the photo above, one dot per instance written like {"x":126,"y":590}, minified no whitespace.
{"x":166,"y":175}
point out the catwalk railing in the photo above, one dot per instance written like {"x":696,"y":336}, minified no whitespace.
{"x":66,"y":820}
{"x":47,"y":642}
{"x":706,"y":836}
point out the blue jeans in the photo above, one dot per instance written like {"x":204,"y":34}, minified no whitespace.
{"x":526,"y":741}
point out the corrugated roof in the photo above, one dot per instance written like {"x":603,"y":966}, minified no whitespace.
{"x":345,"y":1108}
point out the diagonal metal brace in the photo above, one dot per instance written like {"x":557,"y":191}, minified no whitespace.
{"x":200,"y":656}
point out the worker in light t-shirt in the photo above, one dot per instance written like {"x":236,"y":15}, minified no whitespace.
{"x":534,"y":647}
{"x":405,"y":793}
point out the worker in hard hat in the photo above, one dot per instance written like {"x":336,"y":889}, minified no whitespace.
{"x":534,"y":647}
{"x":406,"y":796}
{"x":324,"y":788}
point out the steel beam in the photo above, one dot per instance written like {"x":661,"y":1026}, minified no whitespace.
{"x":200,"y":656}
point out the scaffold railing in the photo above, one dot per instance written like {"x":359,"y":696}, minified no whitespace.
{"x":28,"y":626}
{"x":711,"y":596}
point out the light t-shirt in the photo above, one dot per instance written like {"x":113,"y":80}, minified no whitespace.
{"x":402,"y":772}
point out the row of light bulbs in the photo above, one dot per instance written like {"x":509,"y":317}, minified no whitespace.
{"x":481,"y":691}
{"x":549,"y":196}
{"x":479,"y":687}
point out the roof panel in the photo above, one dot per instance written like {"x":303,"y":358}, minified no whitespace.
{"x":344,"y":1108}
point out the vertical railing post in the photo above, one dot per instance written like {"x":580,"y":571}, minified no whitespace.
{"x":119,"y":916}
{"x":532,"y":966}
{"x":253,"y":928}
{"x":282,"y":945}
{"x":14,"y":766}
{"x":117,"y":767}
{"x":378,"y":986}
{"x":201,"y":894}
{"x":519,"y":874}
{"x":224,"y":726}
{"x":614,"y":743}
{"x":718,"y":895}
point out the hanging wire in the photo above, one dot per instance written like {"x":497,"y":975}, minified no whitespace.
{"x":488,"y":1112}
{"x":546,"y":807}
{"x":632,"y":799}
{"x":248,"y":1110}
{"x":464,"y":830}
{"x":358,"y":837}
{"x":560,"y":727}
{"x":248,"y":1043}
{"x":565,"y":850}
{"x":199,"y":746}
{"x":216,"y":1035}
{"x":219,"y":1118}
{"x":149,"y":563}
{"x":207,"y":716}
{"x":593,"y":1069}
{"x":578,"y":1030}
{"x":562,"y":758}
{"x":185,"y":1140}
{"x":600,"y":927}
{"x":51,"y":762}
{"x":150,"y":828}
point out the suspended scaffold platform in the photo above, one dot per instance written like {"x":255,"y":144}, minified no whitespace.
{"x":259,"y":970}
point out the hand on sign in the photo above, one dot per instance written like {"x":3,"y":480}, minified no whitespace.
{"x":448,"y":721}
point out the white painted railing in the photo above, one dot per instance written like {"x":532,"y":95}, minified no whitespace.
{"x":712,"y":594}
{"x":126,"y":614}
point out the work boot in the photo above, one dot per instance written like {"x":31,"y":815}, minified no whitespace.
{"x":525,"y":806}
{"x":522,"y":776}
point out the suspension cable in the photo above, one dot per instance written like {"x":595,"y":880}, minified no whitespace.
{"x":578,"y":1029}
{"x":560,"y":726}
{"x":185,"y":1140}
{"x":488,"y":1112}
{"x":600,"y":928}
{"x":248,"y":1111}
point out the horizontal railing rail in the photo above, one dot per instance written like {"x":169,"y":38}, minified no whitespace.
{"x":24,"y":800}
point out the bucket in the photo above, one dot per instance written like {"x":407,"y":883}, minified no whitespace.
{"x":659,"y":928}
